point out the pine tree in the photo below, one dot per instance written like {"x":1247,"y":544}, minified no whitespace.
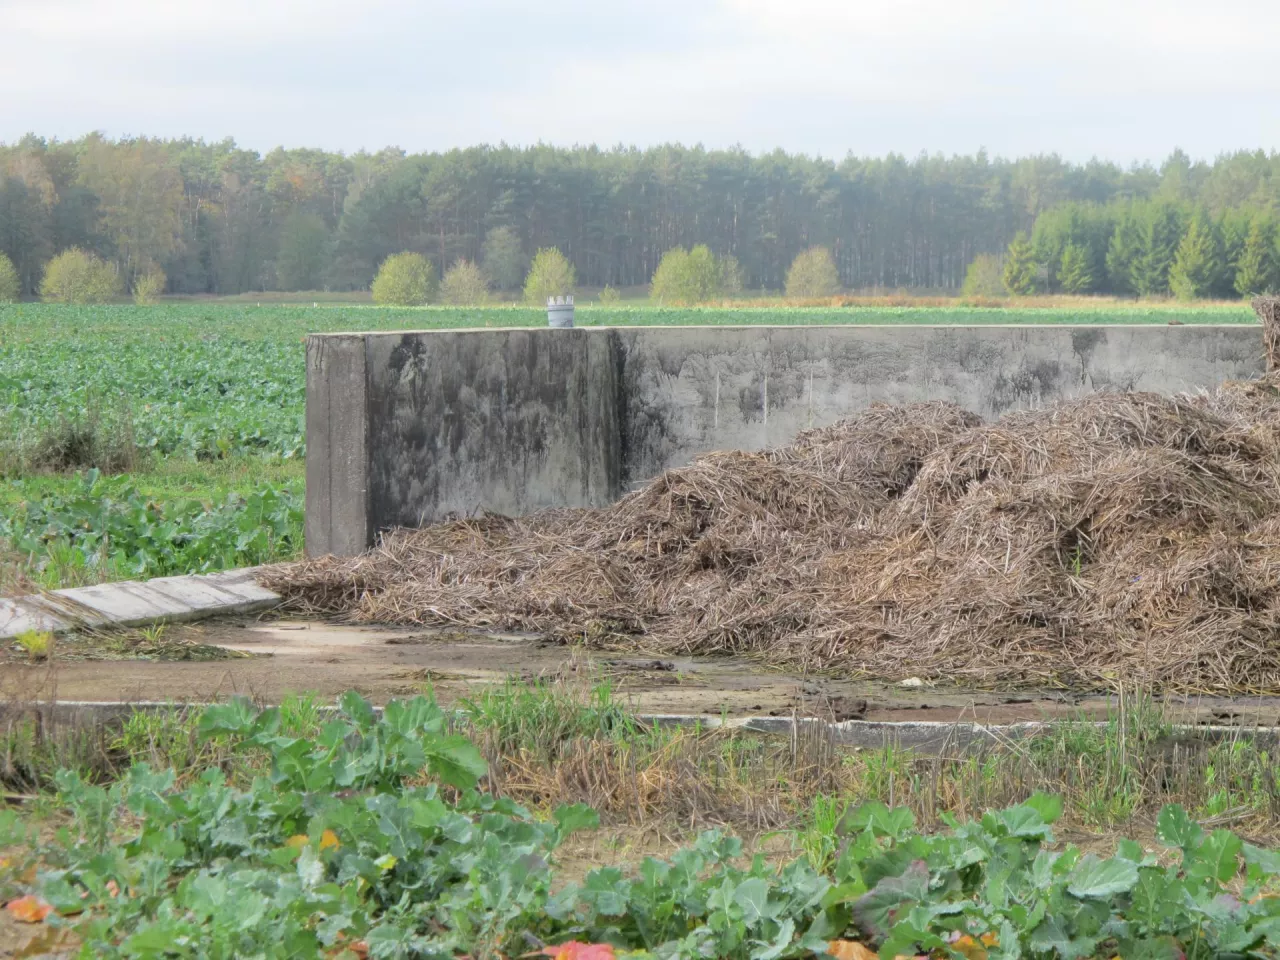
{"x":1123,"y":252}
{"x":1075,"y":275}
{"x":1256,"y":270}
{"x":1160,"y":232}
{"x":1198,"y":262}
{"x":1021,"y":272}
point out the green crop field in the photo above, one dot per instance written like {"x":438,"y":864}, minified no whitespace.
{"x":201,"y":404}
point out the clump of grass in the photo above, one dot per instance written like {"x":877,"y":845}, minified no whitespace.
{"x":38,"y":645}
{"x":88,"y":442}
{"x":554,"y":743}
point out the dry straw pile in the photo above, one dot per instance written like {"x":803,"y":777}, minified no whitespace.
{"x":1119,"y":537}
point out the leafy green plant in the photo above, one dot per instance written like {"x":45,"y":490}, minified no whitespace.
{"x":371,"y":834}
{"x":108,"y":523}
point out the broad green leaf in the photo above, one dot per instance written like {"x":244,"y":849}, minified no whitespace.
{"x":1175,"y":829}
{"x":1266,"y":863}
{"x":753,"y":897}
{"x":573,"y":818}
{"x":1048,"y":805}
{"x":1093,"y":878}
{"x":877,"y":818}
{"x":1215,"y":857}
{"x":1052,"y":937}
{"x":878,"y":910}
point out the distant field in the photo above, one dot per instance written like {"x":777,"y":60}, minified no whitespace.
{"x":203,"y":401}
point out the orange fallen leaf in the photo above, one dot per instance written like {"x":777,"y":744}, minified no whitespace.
{"x":850,"y":950}
{"x":28,"y":909}
{"x":297,"y":841}
{"x":573,"y":950}
{"x":970,"y":948}
{"x":329,"y":839}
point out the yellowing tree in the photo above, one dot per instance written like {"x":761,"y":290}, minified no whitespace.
{"x":75,"y":276}
{"x":984,"y":278}
{"x":140,"y":191}
{"x":813,"y":274}
{"x":464,"y":284}
{"x":550,"y":275}
{"x":405,"y":280}
{"x":694,"y":276}
{"x":148,"y":286}
{"x":10,"y":287}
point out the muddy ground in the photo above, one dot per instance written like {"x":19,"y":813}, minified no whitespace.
{"x":268,"y":659}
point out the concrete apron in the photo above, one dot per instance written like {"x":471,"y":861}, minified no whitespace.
{"x":134,"y":603}
{"x":927,"y":738}
{"x":236,"y":592}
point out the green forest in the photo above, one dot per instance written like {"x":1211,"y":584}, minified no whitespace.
{"x":212,"y":218}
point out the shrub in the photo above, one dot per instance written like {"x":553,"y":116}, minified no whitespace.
{"x":10,"y":287}
{"x":694,"y":276}
{"x":550,"y":275}
{"x":148,"y":286}
{"x":405,"y":280}
{"x":609,"y":295}
{"x":76,"y":276}
{"x":813,"y":274}
{"x":464,"y":284}
{"x":984,"y":278}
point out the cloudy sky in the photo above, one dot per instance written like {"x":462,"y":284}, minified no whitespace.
{"x":1120,"y":79}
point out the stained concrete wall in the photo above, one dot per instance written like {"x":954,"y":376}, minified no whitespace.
{"x":404,"y":429}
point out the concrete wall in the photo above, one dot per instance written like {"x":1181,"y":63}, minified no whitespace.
{"x":410,"y":428}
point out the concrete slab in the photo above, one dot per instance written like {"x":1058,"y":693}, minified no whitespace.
{"x":195,"y":592}
{"x":133,"y":603}
{"x":17,"y":618}
{"x":127,"y":604}
{"x":242,"y":583}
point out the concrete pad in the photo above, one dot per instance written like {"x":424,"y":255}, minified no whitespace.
{"x":125,"y":604}
{"x":243,"y":584}
{"x":17,"y":618}
{"x":132,"y":603}
{"x":197,"y":592}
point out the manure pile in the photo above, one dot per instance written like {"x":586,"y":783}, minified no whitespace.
{"x":1119,"y":537}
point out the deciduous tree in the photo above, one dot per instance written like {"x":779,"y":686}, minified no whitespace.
{"x":550,"y":275}
{"x":10,"y":287}
{"x":813,"y":274}
{"x":984,"y":278}
{"x":464,"y":284}
{"x":405,"y":280}
{"x":75,"y":276}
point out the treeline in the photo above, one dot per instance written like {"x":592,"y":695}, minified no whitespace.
{"x":214,"y":218}
{"x":1149,"y":247}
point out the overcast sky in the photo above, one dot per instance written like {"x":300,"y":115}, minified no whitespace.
{"x":1120,"y":79}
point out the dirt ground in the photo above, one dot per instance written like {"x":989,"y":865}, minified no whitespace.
{"x":278,"y":657}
